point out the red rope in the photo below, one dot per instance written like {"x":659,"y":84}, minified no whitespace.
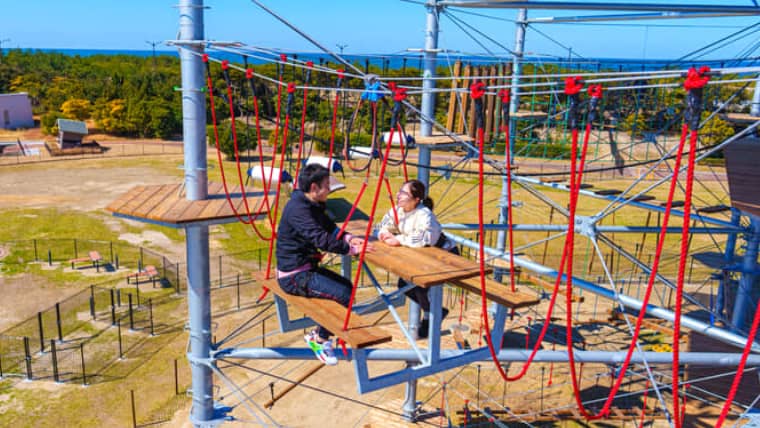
{"x":265,"y":184}
{"x":740,"y":369}
{"x":367,"y":234}
{"x":303,"y":128}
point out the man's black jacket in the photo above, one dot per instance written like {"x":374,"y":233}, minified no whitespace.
{"x":304,"y":229}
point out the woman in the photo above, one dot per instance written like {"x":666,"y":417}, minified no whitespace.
{"x":417,"y":227}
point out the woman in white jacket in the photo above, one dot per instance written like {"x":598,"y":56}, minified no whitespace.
{"x":417,"y":227}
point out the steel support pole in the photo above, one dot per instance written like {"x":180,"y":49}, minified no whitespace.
{"x":428,"y":85}
{"x":755,"y":108}
{"x":745,"y":304}
{"x":196,"y":188}
{"x":514,"y":105}
{"x":728,"y":256}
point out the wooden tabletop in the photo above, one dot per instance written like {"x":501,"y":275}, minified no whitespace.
{"x":167,"y":204}
{"x":424,"y":266}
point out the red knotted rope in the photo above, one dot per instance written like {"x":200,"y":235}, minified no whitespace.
{"x":309,"y":64}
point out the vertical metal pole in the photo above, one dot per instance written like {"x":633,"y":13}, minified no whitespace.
{"x":755,"y":108}
{"x":150,"y":313}
{"x":745,"y":296}
{"x":514,"y":104}
{"x":113,"y":308}
{"x":27,"y":358}
{"x":428,"y":84}
{"x":118,"y":332}
{"x":42,"y":333}
{"x":84,"y":372}
{"x":92,"y":302}
{"x":131,"y":315}
{"x":728,"y":256}
{"x":132,"y":400}
{"x":54,"y":360}
{"x":196,"y":183}
{"x":58,"y":321}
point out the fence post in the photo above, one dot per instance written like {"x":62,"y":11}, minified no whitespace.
{"x":84,"y":372}
{"x":54,"y":359}
{"x":121,"y":350}
{"x":150,"y":312}
{"x":113,"y":309}
{"x":35,"y":250}
{"x":140,"y":261}
{"x":176,"y":378}
{"x":131,"y":319}
{"x":116,"y":258}
{"x":92,"y":302}
{"x":163,"y":261}
{"x":42,"y":334}
{"x":118,"y":297}
{"x":27,"y":358}
{"x":50,"y":257}
{"x":137,"y":289}
{"x":238,"y":290}
{"x":110,"y":246}
{"x":76,"y":253}
{"x":58,"y":321}
{"x":134,"y":416}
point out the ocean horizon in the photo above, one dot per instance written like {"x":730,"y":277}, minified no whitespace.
{"x":414,"y":60}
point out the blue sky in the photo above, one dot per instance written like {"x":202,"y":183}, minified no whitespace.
{"x":365,"y":26}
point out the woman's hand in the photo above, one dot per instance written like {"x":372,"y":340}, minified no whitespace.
{"x":392,"y":241}
{"x":383,"y":235}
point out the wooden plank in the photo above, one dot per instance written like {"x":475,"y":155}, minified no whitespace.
{"x":148,"y":205}
{"x":442,"y":139}
{"x":471,"y":112}
{"x":526,"y":114}
{"x":166,"y":206}
{"x":465,"y":99}
{"x":133,"y":193}
{"x":489,"y":104}
{"x":608,"y":192}
{"x":330,"y":314}
{"x":499,"y":293}
{"x":130,"y":207}
{"x":431,"y":266}
{"x":451,"y":118}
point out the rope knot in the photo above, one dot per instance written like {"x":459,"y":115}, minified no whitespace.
{"x":573,"y":85}
{"x":697,"y":79}
{"x":477,"y":90}
{"x":504,"y":95}
{"x":595,"y":91}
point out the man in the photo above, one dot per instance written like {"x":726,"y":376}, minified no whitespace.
{"x":305,"y":229}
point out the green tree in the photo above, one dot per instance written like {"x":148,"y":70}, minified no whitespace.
{"x":77,"y":108}
{"x":246,"y":138}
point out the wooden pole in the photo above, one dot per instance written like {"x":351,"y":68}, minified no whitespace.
{"x":313,"y":369}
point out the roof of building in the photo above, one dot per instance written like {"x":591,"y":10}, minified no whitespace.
{"x":16,"y":94}
{"x":72,"y":126}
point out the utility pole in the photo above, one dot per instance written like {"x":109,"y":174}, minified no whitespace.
{"x":153,"y":45}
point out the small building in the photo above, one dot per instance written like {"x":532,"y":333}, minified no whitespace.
{"x":16,"y":111}
{"x":71,"y":133}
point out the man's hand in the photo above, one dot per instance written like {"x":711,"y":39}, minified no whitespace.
{"x":357,"y":244}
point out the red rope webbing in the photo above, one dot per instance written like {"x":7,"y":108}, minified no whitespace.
{"x":303,"y":128}
{"x":210,"y":86}
{"x":740,"y":369}
{"x":647,"y":294}
{"x":367,"y":233}
{"x":265,"y":183}
{"x":334,"y":118}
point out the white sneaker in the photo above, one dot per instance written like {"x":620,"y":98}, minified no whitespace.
{"x":324,"y":351}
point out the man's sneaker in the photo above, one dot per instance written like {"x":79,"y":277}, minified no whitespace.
{"x":324,"y":351}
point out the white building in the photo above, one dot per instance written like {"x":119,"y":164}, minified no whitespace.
{"x":15,"y":111}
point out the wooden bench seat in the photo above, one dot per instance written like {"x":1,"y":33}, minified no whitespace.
{"x":92,"y":257}
{"x":149,"y":271}
{"x":608,"y":192}
{"x":330,"y":314}
{"x":498,"y":292}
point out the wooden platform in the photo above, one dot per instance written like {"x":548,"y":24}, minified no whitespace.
{"x":437,"y":140}
{"x":424,"y":266}
{"x":498,"y":292}
{"x":739,"y":117}
{"x":525,"y":114}
{"x":330,"y":314}
{"x":167,"y":204}
{"x":742,"y":159}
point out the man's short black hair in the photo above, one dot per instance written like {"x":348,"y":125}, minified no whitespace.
{"x":312,"y":173}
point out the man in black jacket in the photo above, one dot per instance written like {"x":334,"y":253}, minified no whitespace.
{"x":304,"y":230}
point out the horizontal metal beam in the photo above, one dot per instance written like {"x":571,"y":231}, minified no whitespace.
{"x":569,"y":5}
{"x":602,"y":228}
{"x":629,"y":17}
{"x":712,"y":359}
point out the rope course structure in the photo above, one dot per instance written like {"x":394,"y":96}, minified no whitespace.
{"x":524,"y":140}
